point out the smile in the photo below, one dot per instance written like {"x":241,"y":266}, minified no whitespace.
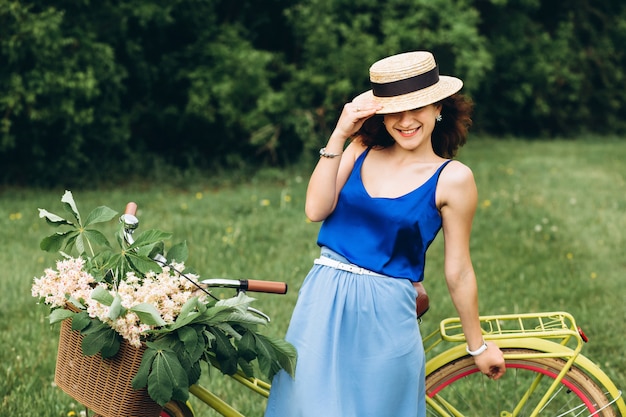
{"x":407,"y":132}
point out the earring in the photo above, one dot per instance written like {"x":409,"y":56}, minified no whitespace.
{"x":439,"y":118}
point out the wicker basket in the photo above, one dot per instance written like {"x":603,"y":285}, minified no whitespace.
{"x":102,"y":385}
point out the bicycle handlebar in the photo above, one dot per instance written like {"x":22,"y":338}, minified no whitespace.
{"x":131,"y":208}
{"x":130,"y":222}
{"x":271,"y":287}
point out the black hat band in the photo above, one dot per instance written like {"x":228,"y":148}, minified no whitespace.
{"x":407,"y":85}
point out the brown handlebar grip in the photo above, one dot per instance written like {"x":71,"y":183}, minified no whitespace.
{"x":273,"y":287}
{"x":131,"y":208}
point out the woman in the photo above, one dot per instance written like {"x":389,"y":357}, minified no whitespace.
{"x":383,"y":200}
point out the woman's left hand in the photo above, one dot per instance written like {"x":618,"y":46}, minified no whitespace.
{"x":491,"y":361}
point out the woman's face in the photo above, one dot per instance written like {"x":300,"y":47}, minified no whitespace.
{"x":412,"y":127}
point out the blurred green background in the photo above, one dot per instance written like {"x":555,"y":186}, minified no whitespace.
{"x":209,"y":114}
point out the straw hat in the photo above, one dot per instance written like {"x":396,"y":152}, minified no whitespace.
{"x":408,"y":81}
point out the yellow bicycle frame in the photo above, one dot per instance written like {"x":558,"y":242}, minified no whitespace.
{"x":547,"y":334}
{"x":535,"y":332}
{"x":260,"y":387}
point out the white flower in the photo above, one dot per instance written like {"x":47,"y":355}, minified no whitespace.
{"x":167,"y":291}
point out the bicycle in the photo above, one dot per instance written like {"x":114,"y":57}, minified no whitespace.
{"x":547,"y":374}
{"x":550,"y":378}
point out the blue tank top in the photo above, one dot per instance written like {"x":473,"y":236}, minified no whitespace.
{"x":386,"y":235}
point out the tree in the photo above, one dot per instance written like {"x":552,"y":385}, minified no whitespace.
{"x":56,"y":85}
{"x":556,"y":65}
{"x":104,"y":88}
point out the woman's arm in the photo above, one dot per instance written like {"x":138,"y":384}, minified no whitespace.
{"x":331,"y":174}
{"x":457,"y":199}
{"x":328,"y":178}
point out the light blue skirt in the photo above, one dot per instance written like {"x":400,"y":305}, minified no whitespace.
{"x":360,"y":351}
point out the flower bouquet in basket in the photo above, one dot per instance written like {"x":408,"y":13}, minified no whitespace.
{"x":120,"y":301}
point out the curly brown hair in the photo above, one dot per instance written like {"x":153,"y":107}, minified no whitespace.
{"x":448,"y":136}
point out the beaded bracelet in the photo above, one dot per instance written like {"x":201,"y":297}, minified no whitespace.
{"x":328,"y":155}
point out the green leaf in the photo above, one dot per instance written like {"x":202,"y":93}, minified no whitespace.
{"x":191,"y":313}
{"x":80,"y":321}
{"x":116,"y":309}
{"x":160,"y":386}
{"x":221,"y":313}
{"x":101,"y":338}
{"x":287,"y":355}
{"x":224,"y":351}
{"x":167,"y":378}
{"x":195,"y":356}
{"x":178,"y":252}
{"x":189,"y":359}
{"x":54,"y":243}
{"x":140,"y":379}
{"x":71,"y":240}
{"x":189,"y":337}
{"x":101,"y":258}
{"x":150,"y":237}
{"x":73,"y":301}
{"x":149,"y":251}
{"x":247,"y":346}
{"x":246,"y":367}
{"x":100,"y":215}
{"x":274,"y":354}
{"x":153,"y":250}
{"x":102,"y":295}
{"x":148,"y":314}
{"x":192,"y":306}
{"x":115,"y":262}
{"x":167,"y":342}
{"x":266,"y":357}
{"x":118,"y":266}
{"x":142,"y":264}
{"x":240,"y":300}
{"x":215,"y":314}
{"x":96,"y":236}
{"x":228,"y":330}
{"x":52,"y":219}
{"x":70,"y":205}
{"x":111,"y":348}
{"x":194,"y":373}
{"x":60,"y":314}
{"x":80,"y":243}
{"x":96,"y":265}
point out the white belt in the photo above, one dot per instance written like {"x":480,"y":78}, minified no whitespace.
{"x":355,"y":269}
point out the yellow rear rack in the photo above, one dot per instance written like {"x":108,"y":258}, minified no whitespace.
{"x":549,"y":325}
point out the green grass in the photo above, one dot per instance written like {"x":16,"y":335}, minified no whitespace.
{"x":548,"y":235}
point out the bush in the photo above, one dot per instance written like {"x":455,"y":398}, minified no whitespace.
{"x":61,"y":107}
{"x":97,"y":90}
{"x":556,"y":65}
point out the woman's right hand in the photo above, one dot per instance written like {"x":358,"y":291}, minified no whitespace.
{"x":331,"y":173}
